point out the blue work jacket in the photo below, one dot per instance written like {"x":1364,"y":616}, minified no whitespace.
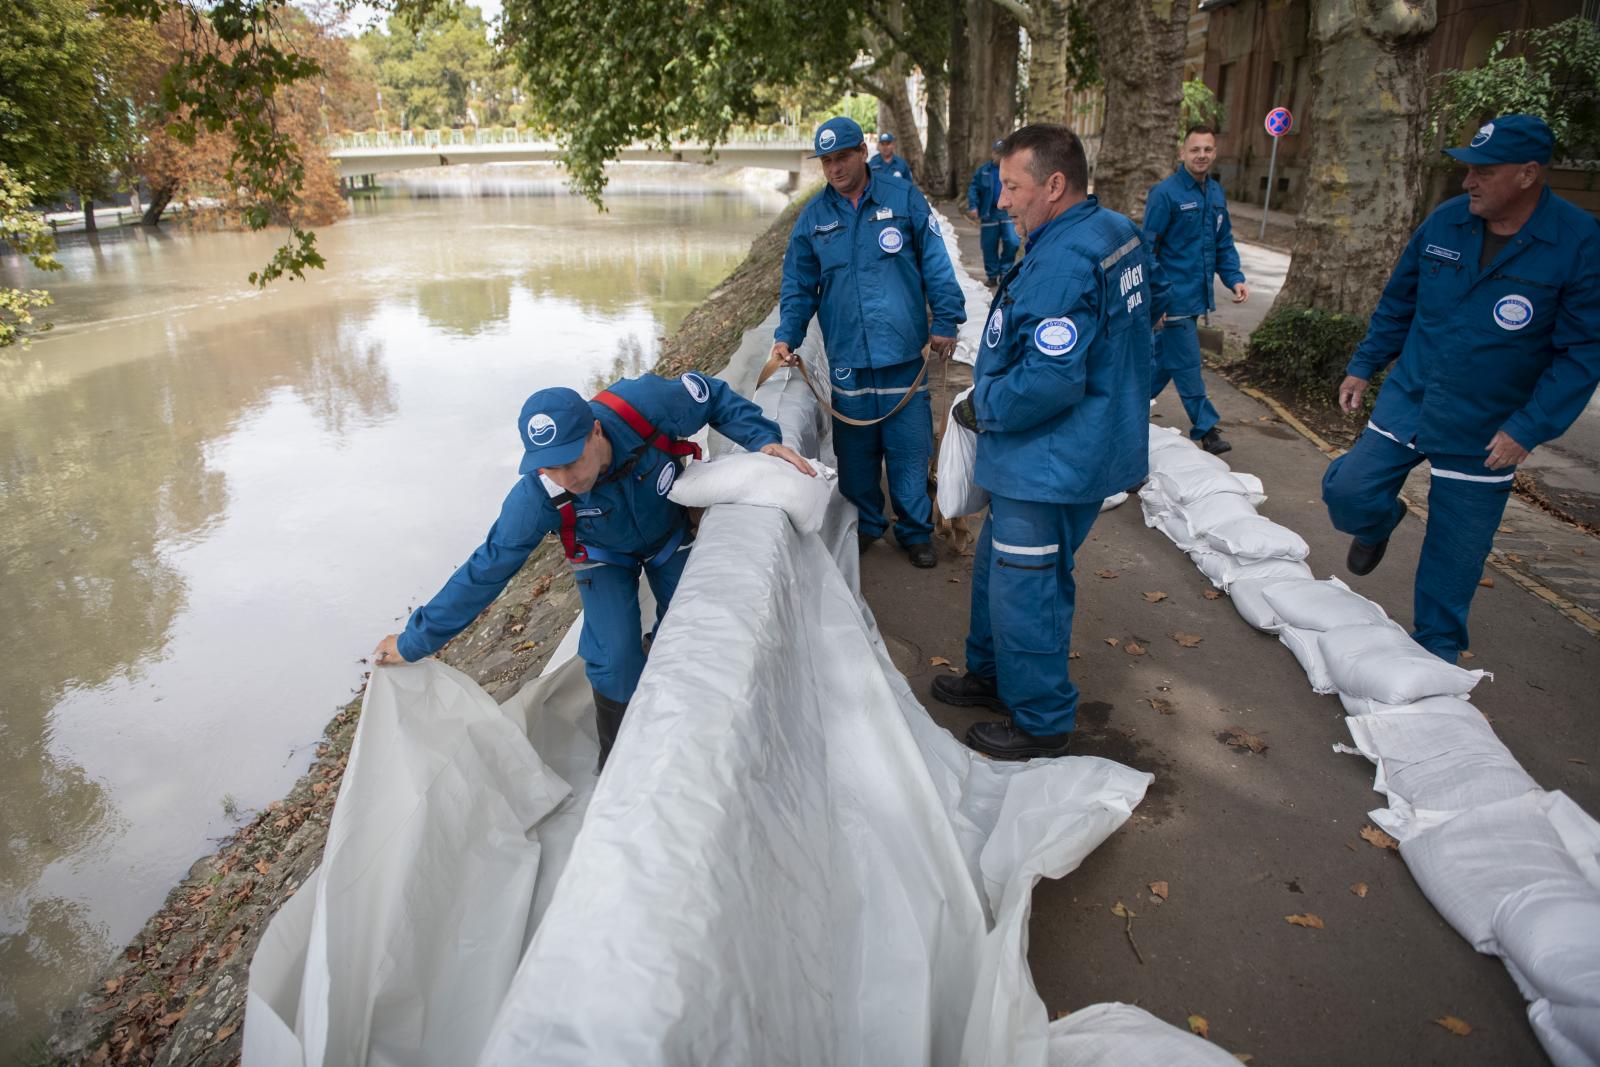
{"x":626,"y":512}
{"x":1187,"y":229}
{"x":1062,"y":383}
{"x":869,"y":274}
{"x":894,"y":166}
{"x":1513,"y":347}
{"x":983,"y":193}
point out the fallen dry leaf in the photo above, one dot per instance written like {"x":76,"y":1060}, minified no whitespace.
{"x":1198,"y":1025}
{"x":1454,"y":1025}
{"x":1239,"y":737}
{"x":1163,"y":706}
{"x":167,"y":1020}
{"x":1359,"y":889}
{"x":1159,"y":889}
{"x":1307,"y":920}
{"x":1106,"y":574}
{"x":319,"y":787}
{"x":1468,"y":655}
{"x":938,"y":661}
{"x":113,"y":985}
{"x":1187,"y":640}
{"x":261,"y":867}
{"x":1074,"y":655}
{"x":1581,"y":762}
{"x":1243,"y":1057}
{"x":1120,"y":910}
{"x":1113,"y":641}
{"x":1213,"y":594}
{"x":225,"y":1033}
{"x":1155,"y":598}
{"x":526,"y":646}
{"x":1133,"y":648}
{"x":1378,"y":839}
{"x":1487,"y":583}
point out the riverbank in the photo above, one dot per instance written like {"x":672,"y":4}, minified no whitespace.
{"x":176,"y":994}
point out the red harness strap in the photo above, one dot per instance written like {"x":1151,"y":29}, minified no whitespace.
{"x":575,"y":552}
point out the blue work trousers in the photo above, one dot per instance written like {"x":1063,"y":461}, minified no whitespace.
{"x":1465,"y":501}
{"x":1177,"y":352}
{"x":1022,"y":600}
{"x":999,"y":241}
{"x":903,"y":443}
{"x":611,"y":644}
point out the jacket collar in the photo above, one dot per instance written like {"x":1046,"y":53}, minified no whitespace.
{"x":1542,"y":225}
{"x":1063,"y":222}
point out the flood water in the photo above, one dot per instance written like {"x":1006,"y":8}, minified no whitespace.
{"x":214,"y":501}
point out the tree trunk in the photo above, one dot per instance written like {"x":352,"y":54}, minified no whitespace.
{"x":983,"y":84}
{"x":1047,"y":60}
{"x":1141,"y":60}
{"x":938,"y":180}
{"x":1364,"y":163}
{"x":89,"y":224}
{"x":959,"y":132}
{"x":160,"y":197}
{"x":907,"y":141}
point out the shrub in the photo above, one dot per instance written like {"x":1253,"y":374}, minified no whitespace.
{"x":1307,"y":350}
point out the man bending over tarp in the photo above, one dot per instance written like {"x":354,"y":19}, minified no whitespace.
{"x":597,"y":473}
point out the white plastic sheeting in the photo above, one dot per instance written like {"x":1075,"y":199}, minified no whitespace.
{"x":1121,"y":1035}
{"x":1515,"y":869}
{"x":958,"y":490}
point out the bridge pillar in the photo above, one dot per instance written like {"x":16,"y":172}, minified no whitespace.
{"x":792,"y":183}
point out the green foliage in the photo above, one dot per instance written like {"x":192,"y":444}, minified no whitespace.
{"x":1200,"y":107}
{"x":440,"y":74}
{"x":1083,"y":50}
{"x":1306,"y":350}
{"x":1554,"y":73}
{"x":25,"y":232}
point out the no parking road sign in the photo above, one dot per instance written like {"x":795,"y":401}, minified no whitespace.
{"x":1279,"y":121}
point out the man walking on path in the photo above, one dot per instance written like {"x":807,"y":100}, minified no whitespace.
{"x":867,"y":258}
{"x":1059,"y":406}
{"x":597,"y":472}
{"x":997,"y":236}
{"x":1492,"y":321}
{"x":1187,"y":228}
{"x":886,"y":162}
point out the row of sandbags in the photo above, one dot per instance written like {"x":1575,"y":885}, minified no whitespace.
{"x":1515,"y":869}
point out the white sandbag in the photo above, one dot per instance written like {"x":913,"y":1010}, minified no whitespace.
{"x":1115,"y":500}
{"x":1303,"y":643}
{"x":1176,"y":527}
{"x":1122,"y":1035}
{"x":1253,"y":607}
{"x":958,"y":492}
{"x":1210,"y":512}
{"x":1381,"y":663}
{"x":1164,"y":437}
{"x":1549,"y":933}
{"x":1570,"y":1035}
{"x":1323,"y":606}
{"x":1256,"y":537}
{"x":1197,"y":483}
{"x":1469,"y":865}
{"x":1223,"y":570}
{"x":1185,"y":463}
{"x":1423,"y":731}
{"x":761,"y":480}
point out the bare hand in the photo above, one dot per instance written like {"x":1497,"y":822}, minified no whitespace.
{"x":941,"y":347}
{"x":782,"y":351}
{"x":1161,"y":323}
{"x":971,"y":214}
{"x":1504,"y":452}
{"x":789,"y":456}
{"x":1351,"y":390}
{"x":1241,"y":293}
{"x":387,"y":654}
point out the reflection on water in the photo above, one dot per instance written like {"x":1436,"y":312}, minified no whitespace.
{"x":214,"y":500}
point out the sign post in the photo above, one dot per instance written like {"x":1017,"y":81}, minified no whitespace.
{"x":1279,"y":122}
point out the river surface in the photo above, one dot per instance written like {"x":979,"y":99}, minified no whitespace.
{"x":215,"y":500}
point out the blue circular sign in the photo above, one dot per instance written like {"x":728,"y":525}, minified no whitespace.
{"x":1279,"y":121}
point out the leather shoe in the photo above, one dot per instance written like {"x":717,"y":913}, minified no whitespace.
{"x":1213,"y":441}
{"x":1004,"y":740}
{"x":969,"y":691}
{"x":922,"y":555}
{"x":1364,"y":557}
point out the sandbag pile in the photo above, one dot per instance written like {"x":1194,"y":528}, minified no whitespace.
{"x":1515,"y":869}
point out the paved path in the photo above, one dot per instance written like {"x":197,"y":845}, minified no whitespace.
{"x":1244,"y":840}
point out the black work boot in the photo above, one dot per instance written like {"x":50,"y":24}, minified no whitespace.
{"x":1004,"y":740}
{"x":969,"y":691}
{"x":1365,"y":556}
{"x":607,"y":721}
{"x":922,"y":555}
{"x":1212,"y":441}
{"x":864,"y":541}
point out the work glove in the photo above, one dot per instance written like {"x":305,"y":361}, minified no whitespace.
{"x":966,"y":414}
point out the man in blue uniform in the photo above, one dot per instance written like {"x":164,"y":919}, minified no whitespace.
{"x":1187,"y":228}
{"x":597,"y":472}
{"x":1492,"y":322}
{"x":998,"y":236}
{"x":887,"y":162}
{"x":1059,"y":404}
{"x":868,"y":259}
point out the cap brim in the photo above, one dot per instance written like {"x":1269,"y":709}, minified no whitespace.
{"x":1473,"y":156}
{"x":832,"y":151}
{"x":554,"y":456}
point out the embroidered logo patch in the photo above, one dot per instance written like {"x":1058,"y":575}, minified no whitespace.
{"x":1481,"y":138}
{"x":664,"y":480}
{"x":1055,"y":337}
{"x":826,"y":141}
{"x":891,"y":240}
{"x":842,"y":374}
{"x":1193,"y":205}
{"x":997,"y":323}
{"x":541,"y":429}
{"x":589,"y":513}
{"x":829,"y":228}
{"x":1445,"y":253}
{"x":697,"y":387}
{"x":1513,"y":312}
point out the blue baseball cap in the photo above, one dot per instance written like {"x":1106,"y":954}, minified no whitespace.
{"x":837,"y":134}
{"x":554,"y":425}
{"x":997,"y":146}
{"x":885,"y":138}
{"x":1508,"y":139}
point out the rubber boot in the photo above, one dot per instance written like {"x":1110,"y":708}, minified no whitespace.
{"x":607,"y":721}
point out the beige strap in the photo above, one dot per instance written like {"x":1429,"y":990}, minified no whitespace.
{"x":922,"y":376}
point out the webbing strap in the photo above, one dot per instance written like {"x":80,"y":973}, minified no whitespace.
{"x":829,"y":408}
{"x":642,"y":426}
